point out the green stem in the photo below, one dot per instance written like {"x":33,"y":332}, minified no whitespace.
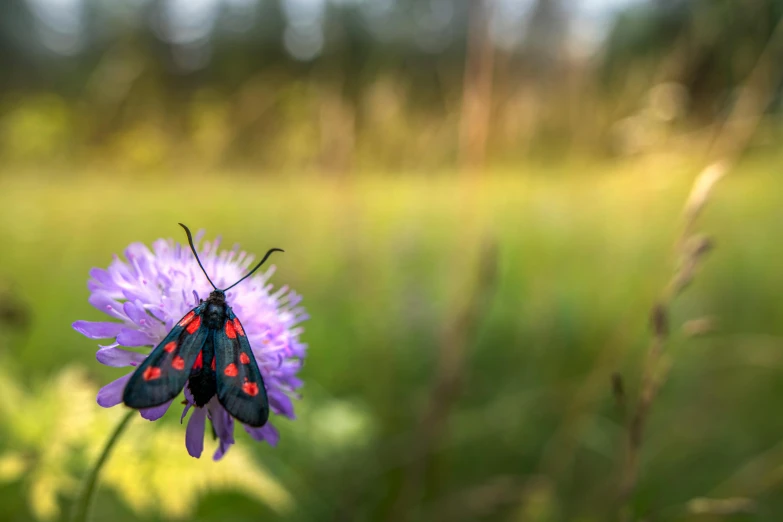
{"x":81,"y":506}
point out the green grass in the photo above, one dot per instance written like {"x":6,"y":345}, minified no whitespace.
{"x":383,"y":263}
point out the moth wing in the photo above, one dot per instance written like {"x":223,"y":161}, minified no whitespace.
{"x":240,"y":386}
{"x":164,"y":372}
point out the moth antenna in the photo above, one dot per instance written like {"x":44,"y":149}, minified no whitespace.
{"x":193,"y":249}
{"x":269,"y":253}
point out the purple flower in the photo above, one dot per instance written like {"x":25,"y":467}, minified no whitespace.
{"x":151,"y":290}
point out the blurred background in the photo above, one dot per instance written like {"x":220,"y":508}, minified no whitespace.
{"x":478,"y":201}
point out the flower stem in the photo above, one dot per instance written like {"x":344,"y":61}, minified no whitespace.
{"x":81,"y":507}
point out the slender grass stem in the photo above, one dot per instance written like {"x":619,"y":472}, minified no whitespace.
{"x":81,"y":507}
{"x":690,"y":248}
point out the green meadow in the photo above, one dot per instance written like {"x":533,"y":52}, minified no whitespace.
{"x":558,"y":269}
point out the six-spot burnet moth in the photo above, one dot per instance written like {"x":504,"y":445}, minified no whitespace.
{"x":207,"y":349}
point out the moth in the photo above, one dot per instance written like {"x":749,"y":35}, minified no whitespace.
{"x":208,"y":350}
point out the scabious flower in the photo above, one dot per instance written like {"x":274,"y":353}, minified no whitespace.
{"x":151,"y":290}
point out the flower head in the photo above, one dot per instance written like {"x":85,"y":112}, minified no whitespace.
{"x":149,"y":291}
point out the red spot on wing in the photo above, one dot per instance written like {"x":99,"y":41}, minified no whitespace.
{"x":231,"y":370}
{"x":199,"y":362}
{"x":238,"y":327}
{"x":152,"y":372}
{"x":178,"y":363}
{"x":194,"y":324}
{"x":250,"y":388}
{"x":213,"y":364}
{"x":185,"y":320}
{"x":170,"y":347}
{"x":230,"y":332}
{"x":243,"y":358}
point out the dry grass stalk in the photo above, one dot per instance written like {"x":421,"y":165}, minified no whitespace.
{"x":482,"y":500}
{"x":618,"y":392}
{"x":452,"y":353}
{"x":477,"y":90}
{"x":699,"y":327}
{"x":721,"y":506}
{"x":691,"y":248}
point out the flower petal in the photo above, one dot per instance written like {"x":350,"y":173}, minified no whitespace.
{"x":188,"y":405}
{"x":159,"y":313}
{"x":136,"y":312}
{"x":104,"y":302}
{"x":137,"y":250}
{"x":121,"y":273}
{"x":224,"y":428}
{"x":294,"y":382}
{"x":223,"y":422}
{"x":98,"y":330}
{"x":280,"y":403}
{"x":131,"y":337}
{"x":113,"y":356}
{"x":156,"y":412}
{"x":221,"y":450}
{"x":194,"y":434}
{"x":102,"y":276}
{"x":136,"y":294}
{"x":266,"y":432}
{"x":111,"y":394}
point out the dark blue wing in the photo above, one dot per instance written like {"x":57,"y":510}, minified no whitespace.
{"x":164,"y":372}
{"x":240,"y":387}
